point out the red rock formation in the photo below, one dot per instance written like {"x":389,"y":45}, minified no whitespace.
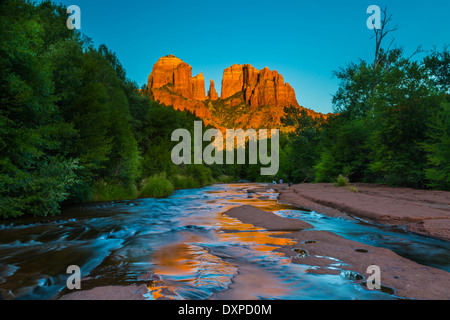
{"x":163,"y":72}
{"x":169,"y":70}
{"x":233,"y":80}
{"x":180,"y":103}
{"x":212,"y":93}
{"x":182,"y":80}
{"x":260,"y":88}
{"x":250,"y":80}
{"x":198,"y":87}
{"x":262,"y":92}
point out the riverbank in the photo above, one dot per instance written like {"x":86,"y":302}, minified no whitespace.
{"x":327,"y":253}
{"x":423,"y":212}
{"x":160,"y":187}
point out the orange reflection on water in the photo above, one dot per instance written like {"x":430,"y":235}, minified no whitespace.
{"x":187,"y":261}
{"x":266,"y":205}
{"x":256,"y":238}
{"x":237,"y":231}
{"x":173,"y":257}
{"x":155,"y":291}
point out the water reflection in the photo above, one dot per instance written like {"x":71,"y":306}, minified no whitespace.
{"x":180,"y":247}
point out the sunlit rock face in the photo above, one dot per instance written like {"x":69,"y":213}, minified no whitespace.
{"x":250,"y":98}
{"x":163,"y":71}
{"x":260,"y":88}
{"x":212,"y":93}
{"x":169,"y":70}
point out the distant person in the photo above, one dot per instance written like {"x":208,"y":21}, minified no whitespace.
{"x":274,"y":182}
{"x":281,"y":181}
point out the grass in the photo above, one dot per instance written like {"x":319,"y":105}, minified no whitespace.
{"x":184,"y":182}
{"x":111,"y":191}
{"x":225,"y":179}
{"x":341,"y":181}
{"x":156,"y":186}
{"x":200,"y":173}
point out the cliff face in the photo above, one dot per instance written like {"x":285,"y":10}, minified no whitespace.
{"x":233,"y":79}
{"x":170,"y":70}
{"x":198,"y":87}
{"x":260,"y":88}
{"x":163,"y":71}
{"x":250,"y":98}
{"x":212,"y":93}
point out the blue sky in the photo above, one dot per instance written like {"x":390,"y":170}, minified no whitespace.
{"x":303,"y":40}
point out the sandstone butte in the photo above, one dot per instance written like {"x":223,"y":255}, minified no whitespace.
{"x":171,"y":83}
{"x":212,"y":93}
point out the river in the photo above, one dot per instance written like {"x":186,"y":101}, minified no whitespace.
{"x":183,"y":247}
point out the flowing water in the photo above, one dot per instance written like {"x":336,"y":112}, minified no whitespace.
{"x":182,"y":247}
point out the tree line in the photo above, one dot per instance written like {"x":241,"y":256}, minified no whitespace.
{"x":73,"y":127}
{"x":391,"y":123}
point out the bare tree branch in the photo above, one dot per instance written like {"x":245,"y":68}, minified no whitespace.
{"x":418,"y":50}
{"x":381,"y":33}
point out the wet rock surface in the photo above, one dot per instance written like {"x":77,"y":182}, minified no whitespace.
{"x":324,"y":251}
{"x":187,"y":247}
{"x":266,"y":220}
{"x":132,"y":292}
{"x":421,"y":211}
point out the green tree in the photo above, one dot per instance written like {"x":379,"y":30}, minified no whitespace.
{"x":300,"y":153}
{"x":34,"y":174}
{"x":438,"y":149}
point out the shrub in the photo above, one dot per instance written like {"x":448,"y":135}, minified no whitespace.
{"x":38,"y":191}
{"x":112,"y":191}
{"x":200,"y":173}
{"x":157,"y":186}
{"x":341,"y":181}
{"x":225,"y":179}
{"x":353,"y":189}
{"x":184,"y":182}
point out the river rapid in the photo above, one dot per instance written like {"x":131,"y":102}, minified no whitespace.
{"x":183,"y":247}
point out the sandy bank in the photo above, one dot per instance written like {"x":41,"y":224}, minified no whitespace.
{"x":322,"y":250}
{"x":421,"y":211}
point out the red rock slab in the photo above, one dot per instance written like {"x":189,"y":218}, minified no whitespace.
{"x":132,"y":292}
{"x":408,"y":278}
{"x":411,"y":208}
{"x":325,"y":249}
{"x":289,"y":196}
{"x":436,"y":228}
{"x":266,"y":220}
